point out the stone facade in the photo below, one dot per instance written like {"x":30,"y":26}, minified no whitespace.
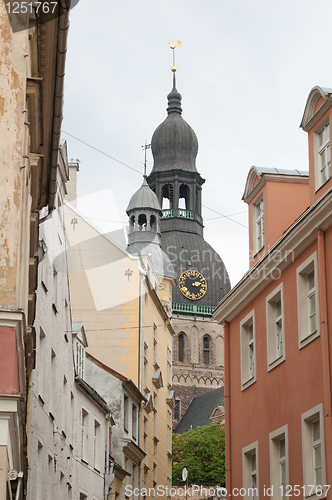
{"x":192,"y":376}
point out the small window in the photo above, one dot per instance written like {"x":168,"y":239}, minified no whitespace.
{"x":177,"y":410}
{"x":307,"y":301}
{"x":275,"y":327}
{"x":250,"y":471}
{"x":206,"y":350}
{"x":80,"y":359}
{"x":134,"y":421}
{"x":84,"y":434}
{"x":324,"y":155}
{"x":55,"y":290}
{"x":314,"y":468}
{"x":258,"y":225}
{"x":248,"y":350}
{"x":96,"y":444}
{"x":155,"y":344}
{"x":279,"y":462}
{"x":126,"y":412}
{"x":181,"y":347}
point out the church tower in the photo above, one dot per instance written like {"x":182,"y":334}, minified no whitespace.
{"x":202,"y":278}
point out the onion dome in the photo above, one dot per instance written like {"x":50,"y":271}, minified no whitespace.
{"x":144,"y":198}
{"x":174,"y":143}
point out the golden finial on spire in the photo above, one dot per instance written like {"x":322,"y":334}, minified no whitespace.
{"x":173,"y":46}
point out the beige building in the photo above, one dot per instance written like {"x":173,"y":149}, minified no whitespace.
{"x":31,"y":90}
{"x":115,"y":295}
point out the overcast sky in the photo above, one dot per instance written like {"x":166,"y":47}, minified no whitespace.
{"x":245,"y":69}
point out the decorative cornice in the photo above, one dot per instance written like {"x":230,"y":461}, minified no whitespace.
{"x":310,"y":118}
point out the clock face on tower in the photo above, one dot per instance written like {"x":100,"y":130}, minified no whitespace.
{"x":192,"y":284}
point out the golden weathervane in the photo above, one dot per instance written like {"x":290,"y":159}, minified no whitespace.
{"x":173,"y":46}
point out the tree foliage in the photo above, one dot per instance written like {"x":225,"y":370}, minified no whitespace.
{"x":202,"y":452}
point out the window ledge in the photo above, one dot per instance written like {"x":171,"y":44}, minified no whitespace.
{"x":309,"y":338}
{"x":248,"y":383}
{"x":276,"y":362}
{"x":316,"y":191}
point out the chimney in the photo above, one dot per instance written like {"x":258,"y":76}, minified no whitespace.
{"x":71,"y":195}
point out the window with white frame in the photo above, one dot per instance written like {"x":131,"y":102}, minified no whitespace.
{"x":84,"y":434}
{"x":250,"y":471}
{"x":279,"y":462}
{"x":314,"y":468}
{"x":248,"y":351}
{"x":307,"y":301}
{"x":96,"y":444}
{"x":258,"y":224}
{"x":323,"y":155}
{"x":275,"y":327}
{"x":80,"y":359}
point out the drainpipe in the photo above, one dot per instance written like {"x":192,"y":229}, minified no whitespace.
{"x":109,"y":477}
{"x":228,"y":477}
{"x":326,"y":358}
{"x":63,"y":27}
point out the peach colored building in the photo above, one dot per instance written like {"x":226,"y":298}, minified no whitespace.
{"x":277,"y":333}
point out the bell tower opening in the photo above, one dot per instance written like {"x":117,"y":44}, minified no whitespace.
{"x":142,"y":222}
{"x":184,"y":197}
{"x":167,"y":196}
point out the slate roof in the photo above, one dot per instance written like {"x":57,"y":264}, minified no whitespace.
{"x":199,"y":411}
{"x":174,"y":143}
{"x":144,"y":198}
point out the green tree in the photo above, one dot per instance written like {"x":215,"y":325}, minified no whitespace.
{"x":202,"y":452}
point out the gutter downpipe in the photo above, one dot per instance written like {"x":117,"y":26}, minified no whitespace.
{"x":326,"y":357}
{"x":63,"y":27}
{"x":107,"y":479}
{"x":228,"y":477}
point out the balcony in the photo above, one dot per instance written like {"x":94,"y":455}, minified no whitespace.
{"x":182,"y":213}
{"x":180,"y":307}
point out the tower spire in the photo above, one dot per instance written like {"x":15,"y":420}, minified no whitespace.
{"x":174,"y":68}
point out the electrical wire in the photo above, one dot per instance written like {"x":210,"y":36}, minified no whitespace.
{"x":138,"y":171}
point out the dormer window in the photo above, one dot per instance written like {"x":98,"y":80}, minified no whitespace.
{"x":259,"y":225}
{"x":324,"y":155}
{"x":80,"y":359}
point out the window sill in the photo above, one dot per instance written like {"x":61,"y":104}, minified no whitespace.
{"x":276,"y":362}
{"x":309,"y":338}
{"x":248,"y":383}
{"x":320,"y":186}
{"x":257,"y":252}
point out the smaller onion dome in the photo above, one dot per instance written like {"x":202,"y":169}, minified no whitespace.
{"x":144,"y":198}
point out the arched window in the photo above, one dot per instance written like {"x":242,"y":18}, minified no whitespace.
{"x":142,"y":222}
{"x":181,"y":347}
{"x":167,"y":196}
{"x":153,"y":222}
{"x":206,"y":350}
{"x":132,"y":220}
{"x":184,"y":196}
